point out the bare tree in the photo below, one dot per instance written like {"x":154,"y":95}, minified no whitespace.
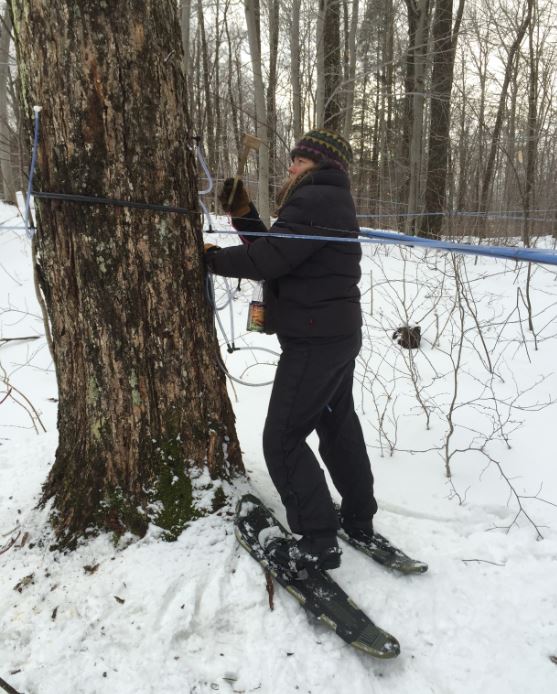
{"x":332,"y":74}
{"x":253,"y":20}
{"x":532,"y":128}
{"x":418,"y":32}
{"x":490,"y":165}
{"x":350,"y":76}
{"x":444,"y":47}
{"x":295,"y":71}
{"x":274,"y":14}
{"x":185,"y":21}
{"x":386,"y":75}
{"x":209,"y":111}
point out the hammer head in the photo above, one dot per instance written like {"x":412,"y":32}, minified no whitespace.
{"x":251,"y":142}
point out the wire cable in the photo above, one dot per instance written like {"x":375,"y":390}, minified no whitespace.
{"x":29,"y":228}
{"x":210,"y":293}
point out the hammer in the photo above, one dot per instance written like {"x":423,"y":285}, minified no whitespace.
{"x":249,"y":142}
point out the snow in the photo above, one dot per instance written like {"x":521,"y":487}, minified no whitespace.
{"x":193,"y":615}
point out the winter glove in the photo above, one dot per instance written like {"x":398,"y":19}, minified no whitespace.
{"x":208,"y":247}
{"x":209,"y":251}
{"x":238,"y":206}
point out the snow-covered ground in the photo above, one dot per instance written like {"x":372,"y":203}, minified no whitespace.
{"x":193,"y":615}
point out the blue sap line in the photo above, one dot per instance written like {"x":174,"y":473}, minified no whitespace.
{"x":532,"y":255}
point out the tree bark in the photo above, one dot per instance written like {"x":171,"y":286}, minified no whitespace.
{"x":333,"y":102}
{"x":532,"y":130}
{"x":319,"y":112}
{"x":254,"y":35}
{"x":444,"y":47}
{"x":185,"y":25}
{"x":143,"y":409}
{"x":295,"y":71}
{"x":390,"y":136}
{"x":274,"y":6}
{"x":351,"y":70}
{"x":418,"y":16}
{"x":6,"y":135}
{"x":412,"y":117}
{"x":462,"y":196}
{"x":490,"y":166}
{"x":208,"y":119}
{"x":230,"y":86}
{"x":221,"y":167}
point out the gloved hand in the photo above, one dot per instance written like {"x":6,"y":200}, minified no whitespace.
{"x":239,"y":205}
{"x":209,"y":251}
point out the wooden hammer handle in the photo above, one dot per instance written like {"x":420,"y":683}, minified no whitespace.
{"x":249,"y":142}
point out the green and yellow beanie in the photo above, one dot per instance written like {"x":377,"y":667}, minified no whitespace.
{"x":320,"y":144}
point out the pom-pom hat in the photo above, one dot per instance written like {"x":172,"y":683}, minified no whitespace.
{"x":320,"y":144}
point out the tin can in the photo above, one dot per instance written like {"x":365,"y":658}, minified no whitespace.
{"x":256,"y":317}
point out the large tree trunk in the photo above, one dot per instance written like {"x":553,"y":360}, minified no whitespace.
{"x":143,"y":409}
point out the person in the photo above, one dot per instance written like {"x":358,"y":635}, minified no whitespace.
{"x":312,"y":303}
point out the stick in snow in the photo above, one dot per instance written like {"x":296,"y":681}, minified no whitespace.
{"x":6,"y":687}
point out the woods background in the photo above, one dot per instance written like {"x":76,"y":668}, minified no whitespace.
{"x":448,"y":105}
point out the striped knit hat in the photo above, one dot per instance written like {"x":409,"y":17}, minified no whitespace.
{"x":321,"y":144}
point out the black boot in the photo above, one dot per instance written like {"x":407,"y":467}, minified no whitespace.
{"x":360,"y":531}
{"x":311,"y":551}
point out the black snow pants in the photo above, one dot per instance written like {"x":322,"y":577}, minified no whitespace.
{"x":312,"y":391}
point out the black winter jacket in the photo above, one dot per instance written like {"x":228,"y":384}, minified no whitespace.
{"x":310,"y":286}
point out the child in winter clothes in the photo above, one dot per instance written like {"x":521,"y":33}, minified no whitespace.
{"x":313,"y":305}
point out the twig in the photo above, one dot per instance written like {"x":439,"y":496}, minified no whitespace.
{"x":519,"y":295}
{"x":11,"y":532}
{"x":7,"y":688}
{"x":10,"y":544}
{"x":529,"y":305}
{"x":456,"y":370}
{"x":7,"y":395}
{"x":19,"y":339}
{"x":518,"y":498}
{"x":14,"y":279}
{"x":29,"y":406}
{"x":471,"y":305}
{"x":483,"y":561}
{"x":270,"y":589}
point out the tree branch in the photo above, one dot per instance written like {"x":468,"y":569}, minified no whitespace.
{"x":7,"y":688}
